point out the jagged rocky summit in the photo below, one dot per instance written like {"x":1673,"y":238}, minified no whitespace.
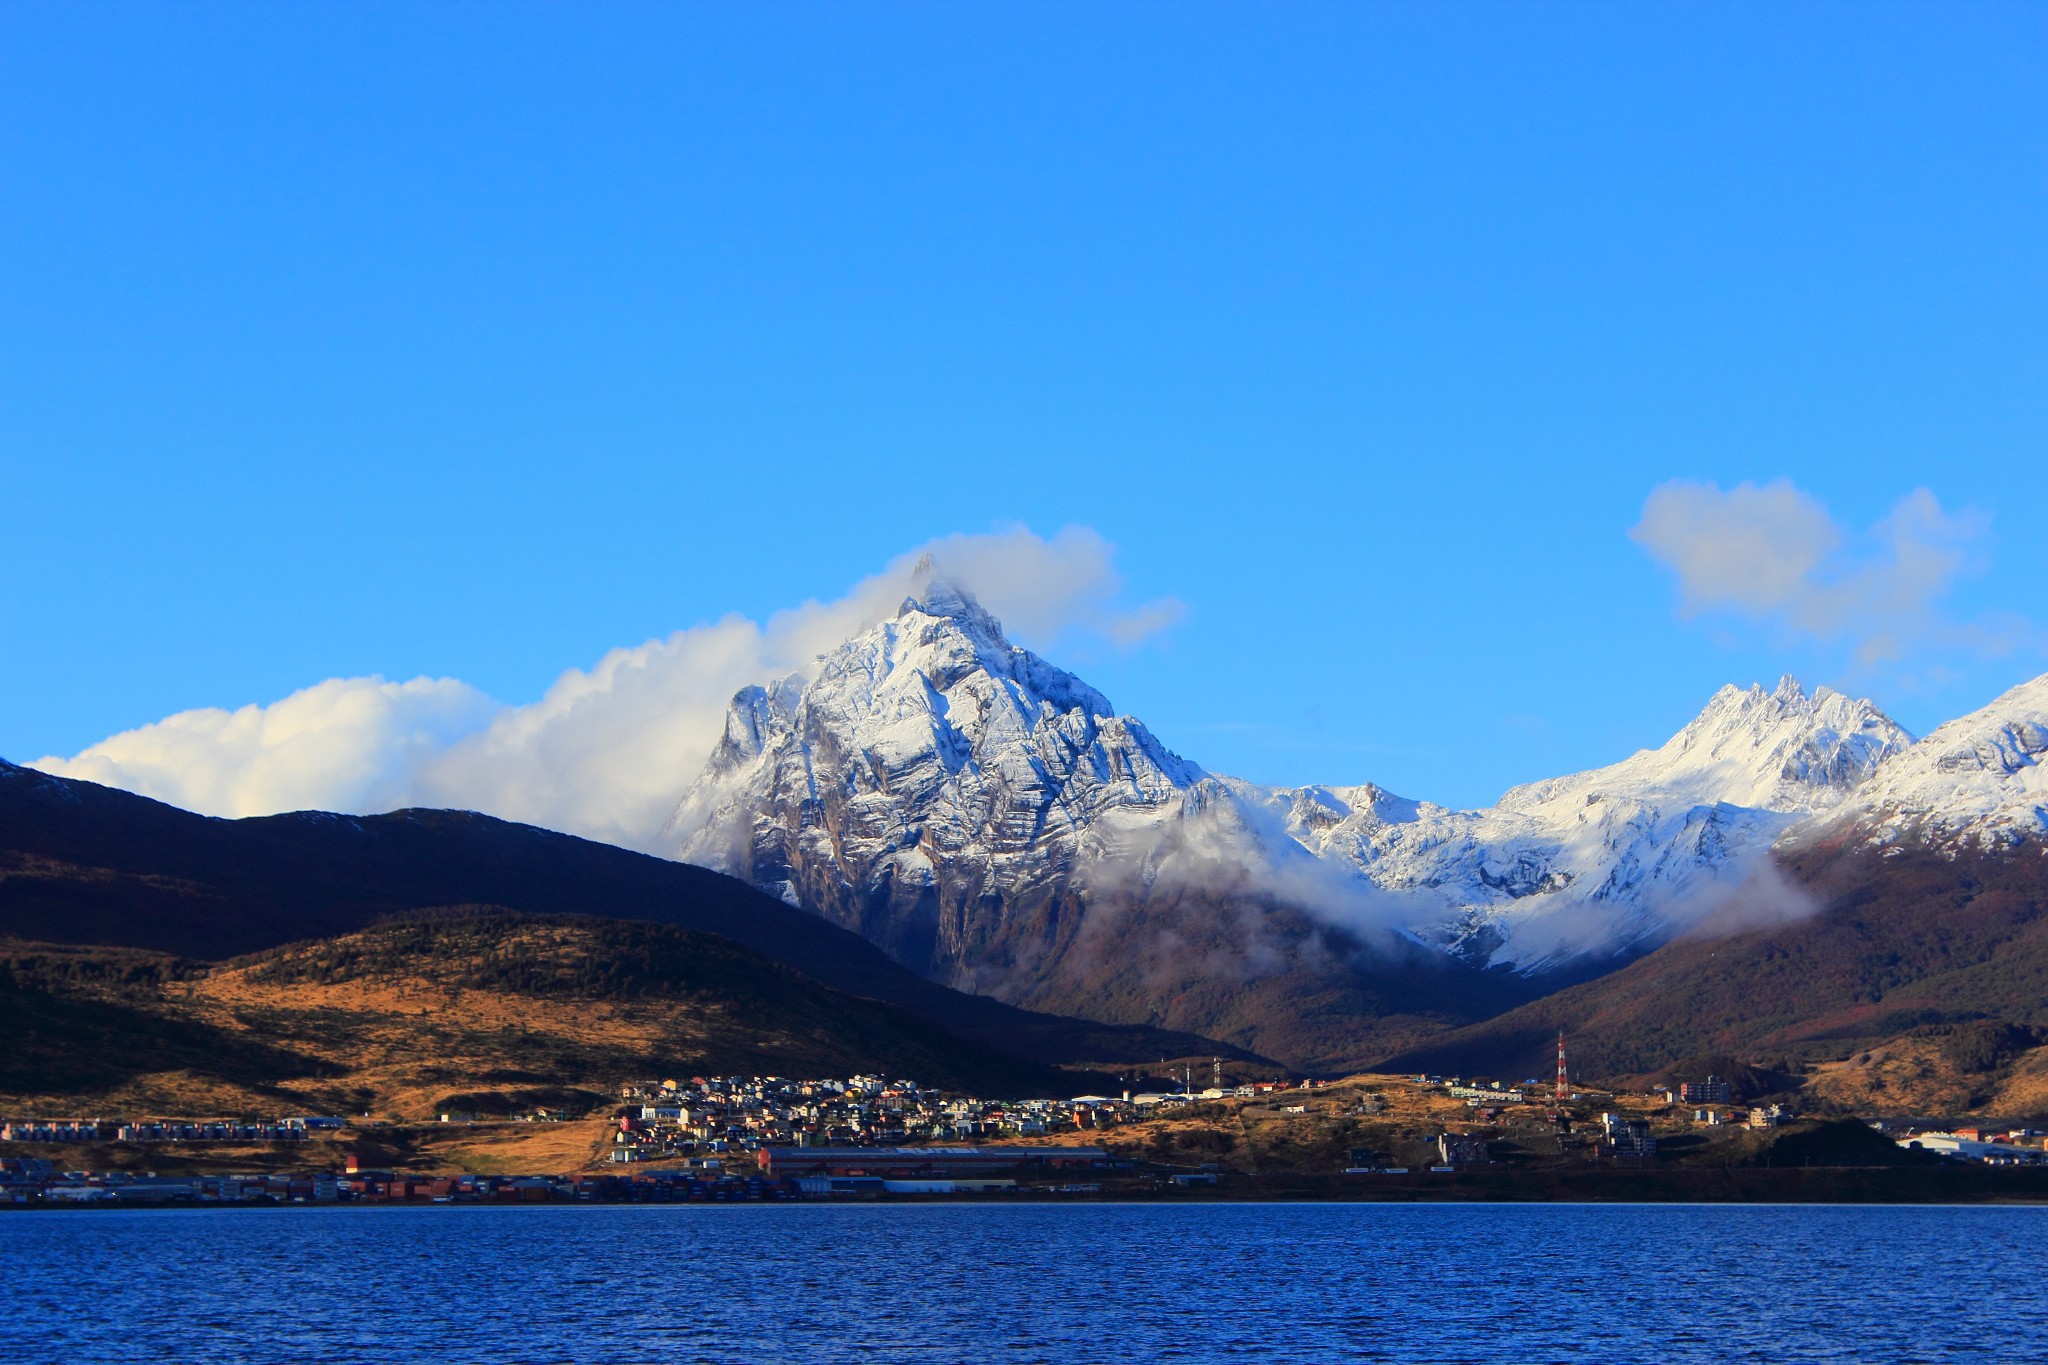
{"x":968,"y":806}
{"x":927,"y":778}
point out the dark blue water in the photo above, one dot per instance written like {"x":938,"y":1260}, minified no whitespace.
{"x":1306,"y":1283}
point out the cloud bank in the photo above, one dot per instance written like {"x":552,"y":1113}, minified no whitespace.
{"x":351,"y":744}
{"x":1774,"y":554}
{"x":606,"y":751}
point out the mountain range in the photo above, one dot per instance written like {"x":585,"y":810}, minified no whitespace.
{"x":991,"y":821}
{"x":932,"y":818}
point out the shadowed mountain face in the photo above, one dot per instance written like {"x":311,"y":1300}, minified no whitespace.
{"x":1915,"y":940}
{"x":85,"y":864}
{"x":1229,"y":962}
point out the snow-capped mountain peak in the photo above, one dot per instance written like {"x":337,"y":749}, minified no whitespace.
{"x":917,"y":777}
{"x":1784,"y":750}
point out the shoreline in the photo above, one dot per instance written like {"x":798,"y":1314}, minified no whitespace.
{"x":1875,"y":1186}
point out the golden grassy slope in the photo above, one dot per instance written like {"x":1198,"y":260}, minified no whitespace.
{"x":1918,"y":1074}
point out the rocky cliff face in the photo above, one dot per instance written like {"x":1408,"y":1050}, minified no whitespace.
{"x":931,"y":785}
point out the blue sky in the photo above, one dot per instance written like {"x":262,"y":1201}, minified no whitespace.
{"x":476,"y":340}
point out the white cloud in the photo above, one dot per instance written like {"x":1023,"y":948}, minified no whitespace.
{"x":345,"y":744}
{"x":1775,"y":554}
{"x":607,"y":751}
{"x":1753,"y":549}
{"x":1040,"y":589}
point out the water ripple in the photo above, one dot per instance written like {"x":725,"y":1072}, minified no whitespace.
{"x":1195,"y":1283}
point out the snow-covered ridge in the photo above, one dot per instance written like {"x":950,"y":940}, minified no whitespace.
{"x":1976,"y":781}
{"x":927,"y":778}
{"x":1609,"y":859}
{"x":1784,"y":750}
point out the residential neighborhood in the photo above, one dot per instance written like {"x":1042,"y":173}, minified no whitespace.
{"x":714,"y":1116}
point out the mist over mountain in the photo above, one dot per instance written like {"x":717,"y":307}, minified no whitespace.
{"x":1604,"y":862}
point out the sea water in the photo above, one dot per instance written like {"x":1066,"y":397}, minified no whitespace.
{"x":975,"y":1282}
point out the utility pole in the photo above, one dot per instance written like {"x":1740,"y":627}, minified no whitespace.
{"x":1558,"y":1114}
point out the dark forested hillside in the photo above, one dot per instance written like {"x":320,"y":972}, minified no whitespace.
{"x":1912,"y":941}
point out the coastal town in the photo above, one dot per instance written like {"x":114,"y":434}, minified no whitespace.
{"x":758,"y":1138}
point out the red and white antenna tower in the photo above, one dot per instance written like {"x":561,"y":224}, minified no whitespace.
{"x":1562,"y":1087}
